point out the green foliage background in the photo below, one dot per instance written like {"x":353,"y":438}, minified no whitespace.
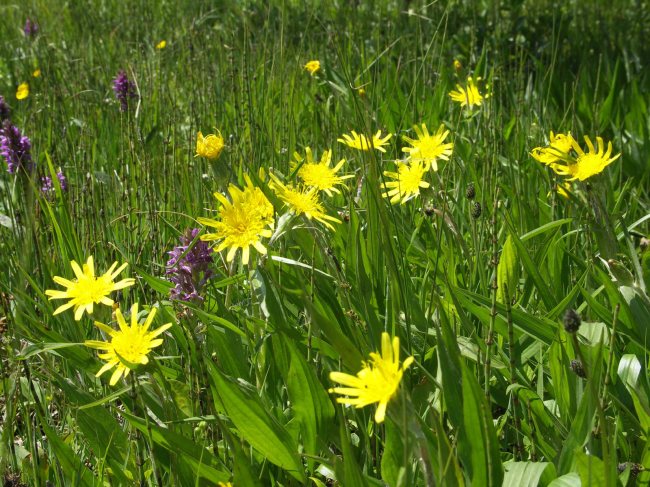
{"x":238,"y":391}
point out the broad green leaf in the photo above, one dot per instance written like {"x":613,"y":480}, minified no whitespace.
{"x":256,"y":425}
{"x":526,"y":474}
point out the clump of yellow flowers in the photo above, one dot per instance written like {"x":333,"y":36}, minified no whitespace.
{"x":209,"y":146}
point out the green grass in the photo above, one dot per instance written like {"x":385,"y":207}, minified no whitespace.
{"x":238,"y":390}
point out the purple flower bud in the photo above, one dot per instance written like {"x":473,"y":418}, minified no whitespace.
{"x":124,"y":89}
{"x":191,"y":271}
{"x":30,"y":29}
{"x":48,"y":188}
{"x":5,"y":111}
{"x":15,"y":147}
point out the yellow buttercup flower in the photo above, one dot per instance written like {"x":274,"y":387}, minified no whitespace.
{"x":313,"y":67}
{"x":244,"y":221}
{"x":22,"y":91}
{"x":558,"y":149}
{"x":302,"y":201}
{"x":589,"y":163}
{"x":161,"y":45}
{"x":209,"y":146}
{"x":128,"y":346}
{"x":377,"y":381}
{"x":407,"y":182}
{"x":468,"y":95}
{"x":428,"y":148}
{"x":457,"y":65}
{"x":36,"y":73}
{"x":87,"y":290}
{"x":361,"y":142}
{"x":319,"y":174}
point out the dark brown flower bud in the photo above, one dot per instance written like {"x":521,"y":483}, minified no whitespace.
{"x":571,"y":321}
{"x":476,"y":210}
{"x":470,"y":193}
{"x":578,"y":369}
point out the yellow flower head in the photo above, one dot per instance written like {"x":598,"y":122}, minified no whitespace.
{"x":161,"y":45}
{"x":36,"y":73}
{"x":364,"y":143}
{"x":243,"y":223}
{"x":313,"y":67}
{"x":428,"y":148}
{"x":407,"y":182}
{"x":128,"y":346}
{"x":320,"y":175}
{"x":22,"y":91}
{"x":87,"y":290}
{"x":587,"y":164}
{"x":209,"y":146}
{"x":468,"y":95}
{"x":377,"y":381}
{"x":457,"y":65}
{"x":302,"y":201}
{"x":557,"y":150}
{"x":562,"y":189}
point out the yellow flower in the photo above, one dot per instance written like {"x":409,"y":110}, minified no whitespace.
{"x":428,"y":148}
{"x":562,"y":189}
{"x":36,"y":73}
{"x":86,"y":289}
{"x":457,"y":65}
{"x":302,"y":201}
{"x":468,"y":95}
{"x":221,"y":484}
{"x":22,"y":91}
{"x":313,"y":67}
{"x":244,"y":221}
{"x":407,"y":184}
{"x":320,"y":175}
{"x":377,"y":381}
{"x":557,"y":150}
{"x":128,"y":346}
{"x":587,"y":164}
{"x":209,"y":146}
{"x":362,"y":142}
{"x":361,"y":92}
{"x":161,"y":45}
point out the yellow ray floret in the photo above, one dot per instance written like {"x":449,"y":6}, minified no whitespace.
{"x":302,"y":201}
{"x":128,"y":346}
{"x":428,"y":148}
{"x":243,"y":222}
{"x":361,"y":142}
{"x":407,"y":182}
{"x":313,"y":67}
{"x":209,"y":146}
{"x":468,"y":95}
{"x":558,"y":149}
{"x":320,"y":175}
{"x":376,"y":382}
{"x":589,"y":163}
{"x":86,"y":290}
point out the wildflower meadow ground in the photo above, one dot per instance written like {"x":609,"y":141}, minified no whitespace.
{"x":394,"y":243}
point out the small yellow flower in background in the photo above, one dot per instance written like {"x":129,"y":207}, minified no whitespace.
{"x":87,"y":290}
{"x":244,"y":221}
{"x":161,"y":45}
{"x":319,"y":174}
{"x":468,"y":95}
{"x":361,"y":92}
{"x":377,"y":381}
{"x":562,"y":189}
{"x":558,"y":149}
{"x":302,"y":201}
{"x":129,"y":345}
{"x":362,"y":142}
{"x":209,"y":146}
{"x":36,"y":73}
{"x":22,"y":91}
{"x":587,"y":164}
{"x":428,"y":148}
{"x":313,"y":67}
{"x":457,"y":65}
{"x":407,"y":182}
